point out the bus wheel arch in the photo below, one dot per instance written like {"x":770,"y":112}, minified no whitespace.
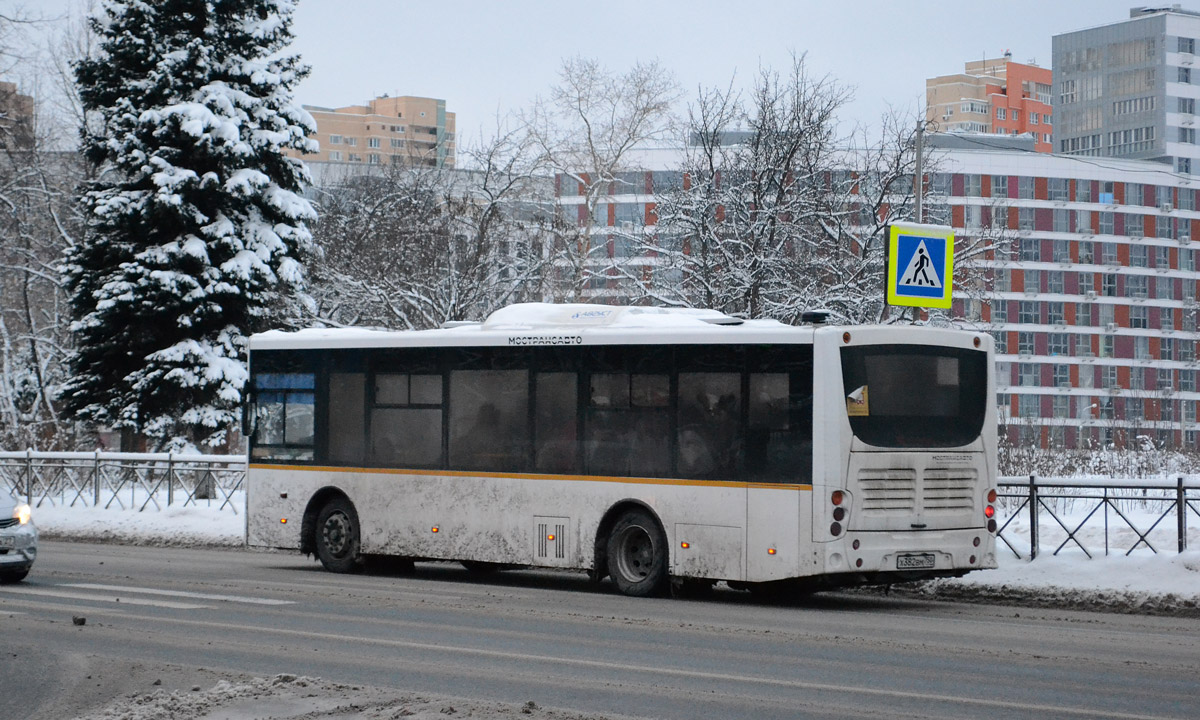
{"x":631,"y":547}
{"x":331,"y":531}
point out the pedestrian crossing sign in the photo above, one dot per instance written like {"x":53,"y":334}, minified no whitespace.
{"x":920,"y":265}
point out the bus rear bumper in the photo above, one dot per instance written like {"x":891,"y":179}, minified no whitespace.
{"x":904,"y":556}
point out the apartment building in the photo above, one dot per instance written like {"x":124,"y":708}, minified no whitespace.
{"x":1129,"y":89}
{"x":16,"y":118}
{"x":995,"y":96}
{"x":1089,"y":288}
{"x":387,"y":130}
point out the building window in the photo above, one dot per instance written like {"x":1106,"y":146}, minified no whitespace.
{"x":1187,"y":135}
{"x":1133,"y":225}
{"x":1109,"y":285}
{"x":1000,"y":311}
{"x":1027,"y":375}
{"x":373,"y":142}
{"x":1055,"y":313}
{"x":1001,"y":281}
{"x":1087,"y":283}
{"x":335,"y":139}
{"x":1083,"y":348}
{"x":1186,"y":45}
{"x":373,"y":158}
{"x":1059,"y":344}
{"x":1186,"y":198}
{"x":1166,"y":321}
{"x":999,"y":186}
{"x":1031,"y":249}
{"x":973,"y":185}
{"x":1033,"y":118}
{"x":352,"y":142}
{"x":1164,"y":288}
{"x":1026,"y":218}
{"x":1033,"y":281}
{"x":1165,"y":227}
{"x":1138,"y":256}
{"x":1062,"y":375}
{"x":1108,"y":253}
{"x":1139,"y":317}
{"x":1166,"y":349}
{"x":1108,"y":376}
{"x":1186,"y":260}
{"x":1136,"y":286}
{"x":1083,"y":314}
{"x":1184,"y":75}
{"x":335,"y":156}
{"x":1046,"y":118}
{"x":1061,"y":250}
{"x":1027,"y":406}
{"x":1027,"y":312}
{"x":1054,"y":282}
{"x":1187,"y":381}
{"x":1025,"y":343}
{"x":1058,"y":188}
{"x":1105,"y":223}
{"x":1162,"y":257}
{"x":1062,"y":221}
{"x":1001,"y":114}
{"x":1141,"y":348}
{"x":1087,"y":252}
{"x":1107,"y":315}
{"x":1001,"y":339}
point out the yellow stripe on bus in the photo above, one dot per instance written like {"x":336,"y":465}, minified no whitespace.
{"x":523,"y":476}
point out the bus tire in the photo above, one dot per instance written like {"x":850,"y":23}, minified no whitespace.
{"x":637,"y":555}
{"x":337,"y":537}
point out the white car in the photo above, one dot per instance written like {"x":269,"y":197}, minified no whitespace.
{"x":18,"y":539}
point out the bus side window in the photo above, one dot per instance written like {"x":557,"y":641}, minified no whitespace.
{"x":406,"y":420}
{"x":709,"y":421}
{"x":779,"y":438}
{"x":283,"y":416}
{"x":489,"y":419}
{"x":555,"y":420}
{"x":346,"y":417}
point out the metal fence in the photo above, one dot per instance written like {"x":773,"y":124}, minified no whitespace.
{"x":1096,"y":515}
{"x":1099,"y":515}
{"x":124,"y":480}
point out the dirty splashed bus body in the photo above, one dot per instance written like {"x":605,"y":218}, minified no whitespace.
{"x":657,"y":447}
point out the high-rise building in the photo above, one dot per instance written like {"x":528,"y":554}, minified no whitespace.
{"x":1089,"y":288}
{"x":401,"y":130}
{"x":1128,"y":89}
{"x":995,"y":96}
{"x":16,"y":118}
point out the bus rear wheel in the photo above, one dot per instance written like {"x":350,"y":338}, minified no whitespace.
{"x":338,"y":537}
{"x":637,"y":555}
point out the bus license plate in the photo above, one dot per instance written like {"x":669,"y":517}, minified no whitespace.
{"x":914,"y":562}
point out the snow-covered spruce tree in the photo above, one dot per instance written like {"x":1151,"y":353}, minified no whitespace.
{"x":198,"y":230}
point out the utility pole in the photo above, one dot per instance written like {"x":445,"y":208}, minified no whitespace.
{"x":918,"y":184}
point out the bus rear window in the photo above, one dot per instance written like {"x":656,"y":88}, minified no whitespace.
{"x":911,"y":396}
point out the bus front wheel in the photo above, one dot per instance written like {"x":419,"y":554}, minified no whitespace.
{"x":637,"y":555}
{"x":338,"y":537}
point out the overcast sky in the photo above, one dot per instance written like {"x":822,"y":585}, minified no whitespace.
{"x":489,"y":56}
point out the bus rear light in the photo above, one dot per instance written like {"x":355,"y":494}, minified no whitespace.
{"x":978,"y":342}
{"x":835,"y":529}
{"x":845,"y":337}
{"x":989,"y":512}
{"x":972,"y":559}
{"x":992,"y":495}
{"x":975,"y":542}
{"x":855,"y":544}
{"x":991,"y":526}
{"x":837,"y":497}
{"x":839,"y":513}
{"x":858,"y":562}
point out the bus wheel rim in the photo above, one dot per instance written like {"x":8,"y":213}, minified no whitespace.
{"x":636,"y":553}
{"x":337,"y":533}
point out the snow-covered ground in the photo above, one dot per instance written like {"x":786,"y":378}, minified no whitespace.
{"x":1143,"y":581}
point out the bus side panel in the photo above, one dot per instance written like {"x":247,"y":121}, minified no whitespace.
{"x":275,"y":503}
{"x":777,"y":532}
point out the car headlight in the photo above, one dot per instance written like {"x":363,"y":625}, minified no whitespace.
{"x":23,"y":513}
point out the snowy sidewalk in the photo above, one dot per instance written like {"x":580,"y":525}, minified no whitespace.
{"x":1142,"y":582}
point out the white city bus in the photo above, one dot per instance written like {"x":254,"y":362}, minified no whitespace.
{"x":663,"y":448}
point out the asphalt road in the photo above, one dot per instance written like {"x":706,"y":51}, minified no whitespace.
{"x":188,"y":617}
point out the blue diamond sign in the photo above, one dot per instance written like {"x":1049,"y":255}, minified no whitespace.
{"x":920,"y":268}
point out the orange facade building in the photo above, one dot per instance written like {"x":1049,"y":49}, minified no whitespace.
{"x":994,"y":96}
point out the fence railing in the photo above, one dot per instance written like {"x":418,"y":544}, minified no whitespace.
{"x":1096,"y":515}
{"x":124,"y":480}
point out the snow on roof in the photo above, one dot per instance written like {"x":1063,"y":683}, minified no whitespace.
{"x":541,"y":323}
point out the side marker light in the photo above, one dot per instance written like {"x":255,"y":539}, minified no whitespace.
{"x":685,"y":545}
{"x":283,"y":521}
{"x":550,"y":538}
{"x":770,"y":551}
{"x":434,"y":528}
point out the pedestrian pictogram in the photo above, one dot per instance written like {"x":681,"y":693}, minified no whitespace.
{"x":920,"y":265}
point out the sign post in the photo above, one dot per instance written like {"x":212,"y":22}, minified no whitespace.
{"x":920,"y":265}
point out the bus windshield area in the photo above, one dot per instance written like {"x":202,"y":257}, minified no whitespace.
{"x":912,"y":396}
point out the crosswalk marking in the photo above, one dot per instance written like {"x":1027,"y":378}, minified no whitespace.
{"x":181,"y":593}
{"x":46,"y":592}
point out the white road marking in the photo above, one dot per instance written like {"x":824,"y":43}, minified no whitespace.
{"x":101,"y":598}
{"x":181,"y":593}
